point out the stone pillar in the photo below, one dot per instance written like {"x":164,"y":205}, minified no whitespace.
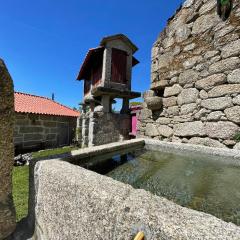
{"x":7,"y":211}
{"x":106,"y":102}
{"x":125,"y":106}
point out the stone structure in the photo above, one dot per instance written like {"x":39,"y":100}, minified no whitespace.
{"x":107,"y":73}
{"x":34,"y":131}
{"x":7,"y":211}
{"x":74,"y":203}
{"x":195,"y":82}
{"x":42,"y":123}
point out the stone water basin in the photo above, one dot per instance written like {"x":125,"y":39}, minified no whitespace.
{"x":210,"y":184}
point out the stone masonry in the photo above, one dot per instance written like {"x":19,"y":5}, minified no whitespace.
{"x":35,"y":131}
{"x":7,"y":211}
{"x":195,"y":82}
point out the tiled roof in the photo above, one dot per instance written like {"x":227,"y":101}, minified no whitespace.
{"x":27,"y":103}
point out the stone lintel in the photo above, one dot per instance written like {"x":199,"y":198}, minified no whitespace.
{"x":99,"y":91}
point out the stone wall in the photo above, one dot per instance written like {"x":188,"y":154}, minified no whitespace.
{"x":34,"y":131}
{"x":195,"y":82}
{"x":101,"y":128}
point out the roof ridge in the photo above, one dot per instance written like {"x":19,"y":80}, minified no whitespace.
{"x":33,"y":95}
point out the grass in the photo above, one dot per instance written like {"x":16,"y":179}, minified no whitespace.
{"x":21,"y":181}
{"x":50,"y":152}
{"x":20,"y":190}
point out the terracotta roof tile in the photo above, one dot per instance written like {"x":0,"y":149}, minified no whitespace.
{"x":27,"y":103}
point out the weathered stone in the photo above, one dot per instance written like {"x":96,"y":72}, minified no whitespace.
{"x":182,"y":33}
{"x":173,"y":80}
{"x":169,"y":102}
{"x":208,"y":6}
{"x":211,"y":54}
{"x":221,"y":130}
{"x":234,"y":77}
{"x":236,"y":100}
{"x":164,"y":60}
{"x":204,"y":23}
{"x":231,"y":49}
{"x":172,"y":91}
{"x":211,"y":81}
{"x":203,"y":94}
{"x":223,"y":31}
{"x":191,"y":62}
{"x":189,"y":95}
{"x":182,"y":118}
{"x":229,"y":142}
{"x":233,"y":114}
{"x":98,"y":207}
{"x":188,"y":76}
{"x":189,"y":129}
{"x":159,"y":84}
{"x":145,"y":114}
{"x":206,"y":142}
{"x":225,"y":89}
{"x":188,"y":108}
{"x":215,"y":116}
{"x":189,"y":47}
{"x":202,"y":113}
{"x":154,"y":103}
{"x":217,"y":103}
{"x":237,"y":146}
{"x":151,"y":130}
{"x":225,"y":65}
{"x":165,"y":131}
{"x":172,"y":111}
{"x":7,"y":211}
{"x":163,"y":120}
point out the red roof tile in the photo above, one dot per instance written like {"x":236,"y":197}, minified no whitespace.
{"x":27,"y":103}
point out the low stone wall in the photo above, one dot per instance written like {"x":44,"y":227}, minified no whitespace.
{"x":34,"y":131}
{"x":73,"y":203}
{"x":195,"y":78}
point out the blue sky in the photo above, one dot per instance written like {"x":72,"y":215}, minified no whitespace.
{"x":44,"y":42}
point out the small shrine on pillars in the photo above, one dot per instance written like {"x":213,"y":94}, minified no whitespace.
{"x":107,"y":74}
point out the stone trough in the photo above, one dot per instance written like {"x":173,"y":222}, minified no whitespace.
{"x":70,"y":202}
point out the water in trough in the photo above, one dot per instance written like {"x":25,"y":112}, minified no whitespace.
{"x":211,"y":185}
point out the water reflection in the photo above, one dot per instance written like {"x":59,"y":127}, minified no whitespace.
{"x":196,"y":182}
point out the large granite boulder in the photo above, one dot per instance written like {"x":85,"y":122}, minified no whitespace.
{"x":154,"y":103}
{"x":217,"y":103}
{"x":211,"y":81}
{"x":188,"y":95}
{"x":189,"y":129}
{"x":221,"y":130}
{"x":233,"y":114}
{"x":7,"y":211}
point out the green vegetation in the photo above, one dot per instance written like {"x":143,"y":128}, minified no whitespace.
{"x":237,"y":137}
{"x":20,"y":190}
{"x":135,"y":104}
{"x":55,"y":151}
{"x":20,"y":181}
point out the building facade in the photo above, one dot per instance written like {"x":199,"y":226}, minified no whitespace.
{"x":42,"y":123}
